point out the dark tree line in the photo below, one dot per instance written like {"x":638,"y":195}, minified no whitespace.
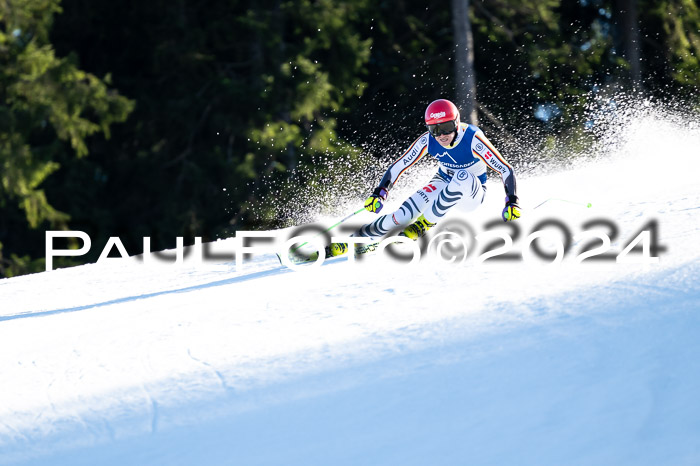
{"x":182,"y":118}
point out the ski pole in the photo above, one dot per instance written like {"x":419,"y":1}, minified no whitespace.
{"x":329,"y":228}
{"x":587,"y":204}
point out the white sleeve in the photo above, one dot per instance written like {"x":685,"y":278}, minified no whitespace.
{"x":413,"y":154}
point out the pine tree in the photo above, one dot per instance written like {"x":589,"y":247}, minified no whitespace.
{"x":49,"y":107}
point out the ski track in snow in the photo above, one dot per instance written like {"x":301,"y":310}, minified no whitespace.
{"x":125,"y":363}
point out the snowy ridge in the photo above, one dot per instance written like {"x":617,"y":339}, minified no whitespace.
{"x":505,"y":363}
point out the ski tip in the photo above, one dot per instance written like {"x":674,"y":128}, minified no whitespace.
{"x":296,"y":260}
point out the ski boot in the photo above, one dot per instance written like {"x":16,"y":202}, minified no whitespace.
{"x":417,"y":229}
{"x":336,"y":249}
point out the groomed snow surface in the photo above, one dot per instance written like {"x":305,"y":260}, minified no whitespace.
{"x":382,"y":363}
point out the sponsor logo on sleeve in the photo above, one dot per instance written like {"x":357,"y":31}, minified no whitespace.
{"x":411,"y":157}
{"x":498,"y":166}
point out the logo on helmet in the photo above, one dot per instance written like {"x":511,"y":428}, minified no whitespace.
{"x":437,"y":115}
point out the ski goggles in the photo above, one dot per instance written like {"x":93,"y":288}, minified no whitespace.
{"x":443,"y":128}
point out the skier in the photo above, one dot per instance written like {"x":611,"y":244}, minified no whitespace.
{"x":463,"y":153}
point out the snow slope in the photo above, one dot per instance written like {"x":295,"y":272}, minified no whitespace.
{"x":511,"y":362}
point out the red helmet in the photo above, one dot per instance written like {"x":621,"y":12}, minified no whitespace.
{"x":440,"y":112}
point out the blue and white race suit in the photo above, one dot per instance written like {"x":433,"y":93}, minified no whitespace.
{"x":459,"y":181}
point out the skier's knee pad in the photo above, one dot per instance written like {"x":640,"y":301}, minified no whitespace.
{"x":470,"y":202}
{"x":471,"y":189}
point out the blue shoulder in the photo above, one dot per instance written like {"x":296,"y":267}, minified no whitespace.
{"x":470,"y":127}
